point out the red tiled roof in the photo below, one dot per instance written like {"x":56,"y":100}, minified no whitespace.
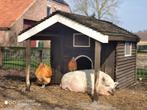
{"x":11,"y":10}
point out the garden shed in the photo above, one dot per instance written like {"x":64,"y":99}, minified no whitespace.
{"x":93,"y":43}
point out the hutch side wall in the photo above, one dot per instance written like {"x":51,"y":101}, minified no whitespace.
{"x":125,"y":65}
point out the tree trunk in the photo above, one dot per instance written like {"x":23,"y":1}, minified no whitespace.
{"x":97,"y":67}
{"x":28,"y":64}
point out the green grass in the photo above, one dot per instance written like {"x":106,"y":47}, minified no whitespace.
{"x":18,"y":64}
{"x":14,"y":58}
{"x":142,"y":73}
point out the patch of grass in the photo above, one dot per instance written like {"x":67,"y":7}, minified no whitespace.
{"x":142,"y":73}
{"x":18,"y":64}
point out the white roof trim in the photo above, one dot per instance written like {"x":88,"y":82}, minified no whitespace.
{"x":67,"y":22}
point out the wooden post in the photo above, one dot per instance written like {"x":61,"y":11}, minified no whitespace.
{"x":1,"y":57}
{"x":40,"y":45}
{"x":97,"y":66}
{"x":28,"y":64}
{"x":40,"y":55}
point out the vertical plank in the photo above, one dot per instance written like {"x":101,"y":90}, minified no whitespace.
{"x":97,"y":66}
{"x":28,"y":64}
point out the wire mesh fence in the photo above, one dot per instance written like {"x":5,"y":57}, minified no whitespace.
{"x":14,"y":57}
{"x":142,"y":73}
{"x":142,"y":65}
{"x":142,"y":48}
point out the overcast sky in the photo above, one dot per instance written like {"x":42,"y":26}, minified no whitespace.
{"x":132,"y":14}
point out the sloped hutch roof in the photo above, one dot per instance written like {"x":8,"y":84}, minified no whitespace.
{"x":100,"y":30}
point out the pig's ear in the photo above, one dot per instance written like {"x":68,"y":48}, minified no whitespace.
{"x":116,"y":84}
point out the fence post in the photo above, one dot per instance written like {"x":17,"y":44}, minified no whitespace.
{"x":28,"y":64}
{"x":40,"y":55}
{"x":41,"y":45}
{"x":1,"y":57}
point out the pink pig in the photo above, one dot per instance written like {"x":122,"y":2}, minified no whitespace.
{"x":83,"y":81}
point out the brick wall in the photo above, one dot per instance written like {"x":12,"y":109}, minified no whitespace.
{"x":38,"y":11}
{"x":4,"y":37}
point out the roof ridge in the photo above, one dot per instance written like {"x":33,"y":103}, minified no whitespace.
{"x":106,"y":26}
{"x":102,"y":20}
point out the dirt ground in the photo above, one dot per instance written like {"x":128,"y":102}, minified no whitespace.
{"x":13,"y":96}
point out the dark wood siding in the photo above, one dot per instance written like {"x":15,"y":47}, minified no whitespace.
{"x":68,"y":51}
{"x":125,"y":65}
{"x":108,"y":58}
{"x":62,"y":50}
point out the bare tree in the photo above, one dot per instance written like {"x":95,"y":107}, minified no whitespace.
{"x":81,"y":6}
{"x":100,"y":9}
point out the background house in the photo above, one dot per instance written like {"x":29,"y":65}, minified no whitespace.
{"x":17,"y":15}
{"x":142,"y":45}
{"x":13,"y":13}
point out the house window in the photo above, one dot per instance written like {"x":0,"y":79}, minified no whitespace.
{"x":80,"y":40}
{"x":128,"y":49}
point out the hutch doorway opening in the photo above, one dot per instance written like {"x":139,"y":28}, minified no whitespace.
{"x":84,"y":62}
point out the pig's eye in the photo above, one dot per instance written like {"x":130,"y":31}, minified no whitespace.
{"x":103,"y":79}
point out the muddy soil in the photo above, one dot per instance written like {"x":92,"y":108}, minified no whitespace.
{"x":14,"y":97}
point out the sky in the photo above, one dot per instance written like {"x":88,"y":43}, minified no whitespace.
{"x":132,"y":14}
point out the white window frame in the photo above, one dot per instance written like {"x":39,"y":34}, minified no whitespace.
{"x":130,"y":53}
{"x":37,"y":43}
{"x":74,"y":42}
